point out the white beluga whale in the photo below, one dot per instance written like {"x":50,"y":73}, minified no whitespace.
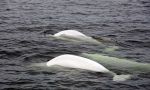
{"x":118,"y":63}
{"x":73,"y":61}
{"x":75,"y":36}
{"x":72,"y":33}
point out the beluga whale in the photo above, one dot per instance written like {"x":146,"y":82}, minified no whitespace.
{"x":115,"y":63}
{"x":78,"y":62}
{"x":74,"y":36}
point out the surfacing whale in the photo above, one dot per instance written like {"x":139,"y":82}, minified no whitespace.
{"x":119,"y":64}
{"x":75,"y":36}
{"x":73,"y":61}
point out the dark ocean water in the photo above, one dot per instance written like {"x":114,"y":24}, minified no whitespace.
{"x":24,"y":23}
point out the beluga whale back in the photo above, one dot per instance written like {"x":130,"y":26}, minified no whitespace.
{"x":71,"y":33}
{"x":73,"y":61}
{"x":75,"y":36}
{"x":119,"y":63}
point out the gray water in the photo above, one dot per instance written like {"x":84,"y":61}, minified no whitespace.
{"x":24,"y":24}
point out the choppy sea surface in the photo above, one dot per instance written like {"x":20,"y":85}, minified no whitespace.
{"x":24,"y":24}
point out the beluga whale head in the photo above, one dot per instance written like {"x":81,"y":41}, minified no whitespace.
{"x":77,"y":62}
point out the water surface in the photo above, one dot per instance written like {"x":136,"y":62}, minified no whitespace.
{"x":24,"y":23}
